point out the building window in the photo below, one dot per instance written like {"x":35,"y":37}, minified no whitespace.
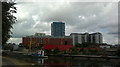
{"x":65,"y":42}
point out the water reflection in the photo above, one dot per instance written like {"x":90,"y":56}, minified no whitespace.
{"x":68,"y":62}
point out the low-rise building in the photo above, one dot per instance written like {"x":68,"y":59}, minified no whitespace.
{"x":47,"y":40}
{"x":105,"y":46}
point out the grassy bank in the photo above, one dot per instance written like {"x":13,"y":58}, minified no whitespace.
{"x":17,"y":62}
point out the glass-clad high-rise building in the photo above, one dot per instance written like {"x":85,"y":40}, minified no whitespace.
{"x":58,"y":29}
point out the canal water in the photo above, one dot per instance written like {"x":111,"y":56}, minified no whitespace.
{"x":55,"y":61}
{"x":72,"y":62}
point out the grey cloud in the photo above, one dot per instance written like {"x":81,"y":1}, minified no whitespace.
{"x":97,"y":17}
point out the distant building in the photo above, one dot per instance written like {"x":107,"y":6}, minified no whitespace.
{"x":96,"y":38}
{"x":58,"y":29}
{"x":105,"y":46}
{"x":40,"y":34}
{"x":86,"y":37}
{"x":49,"y":42}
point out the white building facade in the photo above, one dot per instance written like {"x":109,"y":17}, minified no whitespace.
{"x":86,"y":37}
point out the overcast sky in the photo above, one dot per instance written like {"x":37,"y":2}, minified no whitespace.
{"x":79,"y":17}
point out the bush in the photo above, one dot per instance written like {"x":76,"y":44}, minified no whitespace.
{"x":118,"y":52}
{"x":56,"y":51}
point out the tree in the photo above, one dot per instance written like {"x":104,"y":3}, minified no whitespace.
{"x":8,"y":19}
{"x":56,"y":51}
{"x":82,"y":45}
{"x":118,"y":51}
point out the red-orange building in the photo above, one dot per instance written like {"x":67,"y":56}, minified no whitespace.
{"x":57,"y":42}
